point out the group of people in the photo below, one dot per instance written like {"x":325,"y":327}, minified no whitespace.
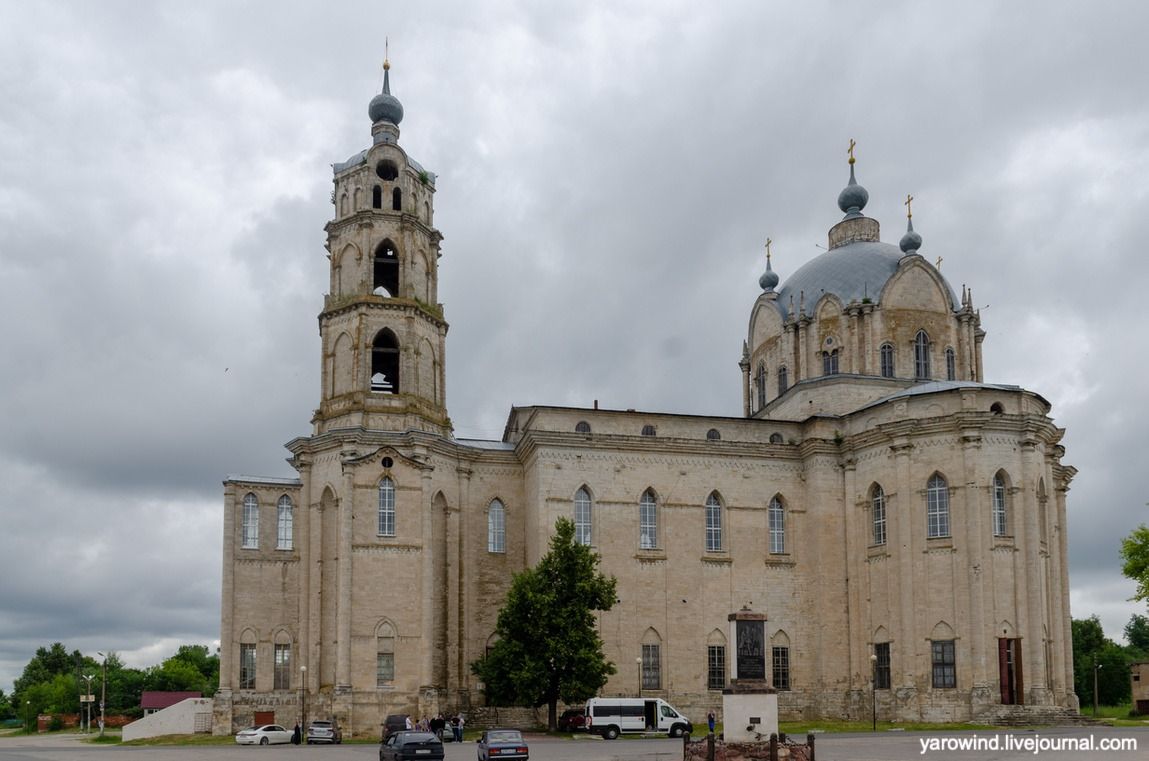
{"x":439,"y":725}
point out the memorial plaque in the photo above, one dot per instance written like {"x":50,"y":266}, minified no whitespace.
{"x":751,"y":652}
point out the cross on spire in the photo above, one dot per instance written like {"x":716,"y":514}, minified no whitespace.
{"x":909,"y":209}
{"x":768,"y":242}
{"x":851,"y":150}
{"x":386,"y":54}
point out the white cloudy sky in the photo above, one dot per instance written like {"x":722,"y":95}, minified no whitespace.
{"x":608,"y":172}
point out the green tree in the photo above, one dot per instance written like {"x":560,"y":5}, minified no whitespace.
{"x":548,"y":646}
{"x":6,"y":711}
{"x":1092,"y":648}
{"x":1137,"y":635}
{"x":1135,"y":554}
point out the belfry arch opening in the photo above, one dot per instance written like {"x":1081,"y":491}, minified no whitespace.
{"x":385,"y":280}
{"x":385,"y":363}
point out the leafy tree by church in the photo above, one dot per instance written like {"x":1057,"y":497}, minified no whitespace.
{"x":1137,"y":635}
{"x":1135,"y":557}
{"x":1091,"y":648}
{"x":548,"y":647}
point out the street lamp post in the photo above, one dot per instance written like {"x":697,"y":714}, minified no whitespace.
{"x":87,"y":702}
{"x":638,"y":664}
{"x":103,"y":689}
{"x":28,"y":715}
{"x":303,"y":698}
{"x":874,"y":692}
{"x":1096,"y":670}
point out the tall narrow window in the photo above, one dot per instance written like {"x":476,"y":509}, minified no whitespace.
{"x":878,"y":514}
{"x":921,"y":356}
{"x":386,"y":507}
{"x":999,"y":492}
{"x":760,"y":382}
{"x":715,"y":667}
{"x":944,"y":663}
{"x":496,"y":527}
{"x":951,"y":364}
{"x":651,"y":667}
{"x":937,"y":507}
{"x":247,"y":666}
{"x":713,"y":523}
{"x":886,"y":354}
{"x":882,"y":666}
{"x":385,"y":363}
{"x":384,"y":656}
{"x":781,"y":667}
{"x":250,"y":522}
{"x":647,"y":521}
{"x":777,"y":518}
{"x":284,"y":523}
{"x":377,"y":197}
{"x":830,"y":362}
{"x":385,"y":264}
{"x":397,"y":200}
{"x":283,"y":666}
{"x":783,"y":380}
{"x":582,"y":516}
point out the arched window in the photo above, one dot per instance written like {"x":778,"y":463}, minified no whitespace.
{"x":760,"y":382}
{"x":878,"y":514}
{"x":397,"y":200}
{"x":777,"y":519}
{"x":716,"y":660}
{"x":648,"y":430}
{"x":783,"y":380}
{"x":582,"y":516}
{"x":281,"y":661}
{"x":713,"y":435}
{"x":921,"y":356}
{"x":250,"y":522}
{"x":385,"y":363}
{"x":937,"y":507}
{"x":284,"y":523}
{"x":247,"y":660}
{"x":384,"y":655}
{"x":386,"y":507}
{"x":830,"y":362}
{"x":651,"y":660}
{"x":496,"y":527}
{"x":582,"y":426}
{"x":713,"y":523}
{"x":376,"y":197}
{"x":780,"y":661}
{"x":385,"y":277}
{"x":951,"y":364}
{"x":886,"y":354}
{"x":647,"y":521}
{"x":343,"y":205}
{"x":999,"y":510}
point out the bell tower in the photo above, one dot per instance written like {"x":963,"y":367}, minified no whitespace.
{"x":382,"y":327}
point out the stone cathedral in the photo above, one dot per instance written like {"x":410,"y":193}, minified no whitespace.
{"x":899,"y":521}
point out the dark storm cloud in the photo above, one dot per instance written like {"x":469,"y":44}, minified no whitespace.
{"x":608,"y":174}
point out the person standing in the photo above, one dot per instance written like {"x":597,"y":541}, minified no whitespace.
{"x":459,"y":729}
{"x":710,"y":721}
{"x":296,"y":736}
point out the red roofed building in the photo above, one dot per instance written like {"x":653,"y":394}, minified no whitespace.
{"x":158,"y":701}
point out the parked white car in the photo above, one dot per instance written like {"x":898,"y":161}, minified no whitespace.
{"x":268,"y":734}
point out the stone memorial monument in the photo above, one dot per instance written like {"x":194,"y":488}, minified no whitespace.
{"x":750,"y":703}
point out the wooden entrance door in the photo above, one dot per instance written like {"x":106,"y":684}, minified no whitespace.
{"x":1009,"y":671}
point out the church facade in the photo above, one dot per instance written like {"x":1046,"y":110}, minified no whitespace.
{"x":900,"y":521}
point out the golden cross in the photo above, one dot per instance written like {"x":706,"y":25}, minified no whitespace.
{"x":768,"y":242}
{"x":909,"y":209}
{"x":851,"y":150}
{"x":386,"y":53}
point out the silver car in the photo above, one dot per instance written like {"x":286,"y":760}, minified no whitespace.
{"x":324,"y":732}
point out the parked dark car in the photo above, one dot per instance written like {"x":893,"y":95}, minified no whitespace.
{"x":410,"y":745}
{"x":320,"y":731}
{"x":572,"y":720}
{"x":503,"y":743}
{"x":396,"y":722}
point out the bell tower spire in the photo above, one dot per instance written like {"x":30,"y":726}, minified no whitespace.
{"x":383,"y":332}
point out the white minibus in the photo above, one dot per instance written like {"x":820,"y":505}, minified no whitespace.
{"x":612,"y":716}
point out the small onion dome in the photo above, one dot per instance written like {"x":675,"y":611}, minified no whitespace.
{"x":853,"y":197}
{"x":385,"y":107}
{"x":769,"y":279}
{"x":911,"y":241}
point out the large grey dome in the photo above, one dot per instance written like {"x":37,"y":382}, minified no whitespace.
{"x":385,"y":107}
{"x":851,"y":272}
